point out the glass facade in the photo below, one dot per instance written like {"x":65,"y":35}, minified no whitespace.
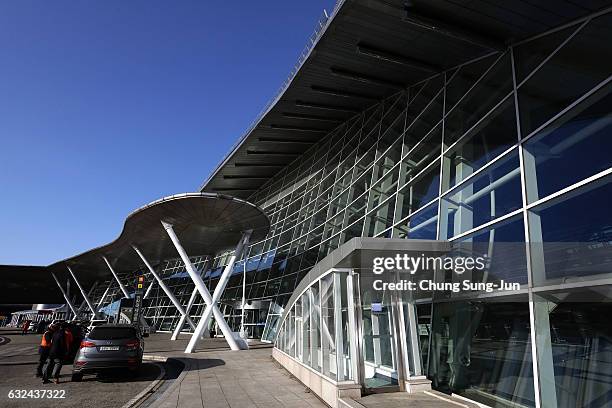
{"x":512,"y":147}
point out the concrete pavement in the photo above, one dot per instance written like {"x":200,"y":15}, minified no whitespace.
{"x":216,"y":377}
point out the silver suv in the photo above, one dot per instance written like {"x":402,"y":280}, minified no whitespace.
{"x":109,"y":346}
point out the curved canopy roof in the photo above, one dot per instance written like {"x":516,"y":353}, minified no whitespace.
{"x":205,"y":223}
{"x":367,"y":51}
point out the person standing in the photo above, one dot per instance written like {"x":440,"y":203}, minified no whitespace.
{"x":60,"y":346}
{"x":43,"y":349}
{"x":25,"y":327}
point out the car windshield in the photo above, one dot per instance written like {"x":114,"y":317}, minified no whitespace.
{"x":112,"y":333}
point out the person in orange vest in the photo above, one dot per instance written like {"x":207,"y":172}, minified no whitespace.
{"x":43,"y":349}
{"x":59,"y":351}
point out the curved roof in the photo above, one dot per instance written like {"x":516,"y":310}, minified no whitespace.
{"x":367,"y":51}
{"x":206,"y":223}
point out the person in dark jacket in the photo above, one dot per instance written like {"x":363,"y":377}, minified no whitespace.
{"x":43,"y":349}
{"x":60,"y":347}
{"x":25,"y":327}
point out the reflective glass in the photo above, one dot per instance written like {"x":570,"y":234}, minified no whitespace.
{"x":315,"y":328}
{"x":482,"y":351}
{"x":491,"y":137}
{"x":580,"y":335}
{"x":480,"y":99}
{"x":581,"y":137}
{"x":328,"y":325}
{"x":494,"y":192}
{"x":570,"y":236}
{"x":422,"y":225}
{"x":582,"y":63}
{"x":419,"y":191}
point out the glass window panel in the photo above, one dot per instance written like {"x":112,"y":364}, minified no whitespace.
{"x":328,"y":325}
{"x":422,"y":225}
{"x":494,"y":135}
{"x":580,"y":138}
{"x":422,"y":154}
{"x":421,"y":96}
{"x":315,"y":328}
{"x":431,"y":116}
{"x":464,"y":78}
{"x":393,"y":133}
{"x":420,"y":191}
{"x":384,"y":188}
{"x":306,"y":327}
{"x":491,"y":89}
{"x":582,"y":63}
{"x":356,"y":209}
{"x":491,"y":194}
{"x":390,"y":159}
{"x":570,"y":236}
{"x":361,"y":184}
{"x":380,"y":219}
{"x":343,"y":316}
{"x":482,"y":351}
{"x":529,"y":55}
{"x":353,"y":230}
{"x":580,"y":335}
{"x":502,"y":245}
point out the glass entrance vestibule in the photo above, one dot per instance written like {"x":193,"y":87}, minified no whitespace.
{"x":341,"y":328}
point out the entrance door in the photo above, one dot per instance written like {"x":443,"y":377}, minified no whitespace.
{"x":381,"y":359}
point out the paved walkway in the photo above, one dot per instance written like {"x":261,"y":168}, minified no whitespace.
{"x":428,"y":399}
{"x":216,"y":377}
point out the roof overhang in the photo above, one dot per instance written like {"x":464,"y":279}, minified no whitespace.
{"x":368,"y":50}
{"x":206,"y":224}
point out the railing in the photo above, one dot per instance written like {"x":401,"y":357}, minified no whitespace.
{"x":319,"y":29}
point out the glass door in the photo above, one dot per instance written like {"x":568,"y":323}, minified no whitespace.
{"x":379,"y":345}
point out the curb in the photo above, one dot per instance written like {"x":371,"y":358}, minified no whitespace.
{"x":175,"y":384}
{"x":150,"y":389}
{"x":11,"y":363}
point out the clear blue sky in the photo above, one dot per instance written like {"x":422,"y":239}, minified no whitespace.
{"x":108,"y":105}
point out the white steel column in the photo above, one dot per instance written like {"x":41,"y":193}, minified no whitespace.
{"x":89,"y":304}
{"x":190,"y":303}
{"x":123,"y":289}
{"x":164,"y":288}
{"x":93,"y":287}
{"x":211,"y":305}
{"x":101,"y":301}
{"x":181,"y":322}
{"x":65,"y":295}
{"x":224,"y":278}
{"x":243,"y":333}
{"x":146,"y":295}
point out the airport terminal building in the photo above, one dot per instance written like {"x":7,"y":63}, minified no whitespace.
{"x":415,"y":126}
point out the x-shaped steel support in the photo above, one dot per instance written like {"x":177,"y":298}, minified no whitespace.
{"x":211,"y":303}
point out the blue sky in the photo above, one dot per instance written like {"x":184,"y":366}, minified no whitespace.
{"x":108,"y":105}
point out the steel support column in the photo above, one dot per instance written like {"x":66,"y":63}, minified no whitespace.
{"x":225,"y":276}
{"x":146,"y":295}
{"x":89,"y":304}
{"x":93,"y":287}
{"x":101,"y":301}
{"x":190,"y":303}
{"x":70,"y":305}
{"x":123,"y":289}
{"x":211,"y":305}
{"x":164,"y":287}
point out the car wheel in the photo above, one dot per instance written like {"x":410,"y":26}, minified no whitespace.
{"x":77,"y":377}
